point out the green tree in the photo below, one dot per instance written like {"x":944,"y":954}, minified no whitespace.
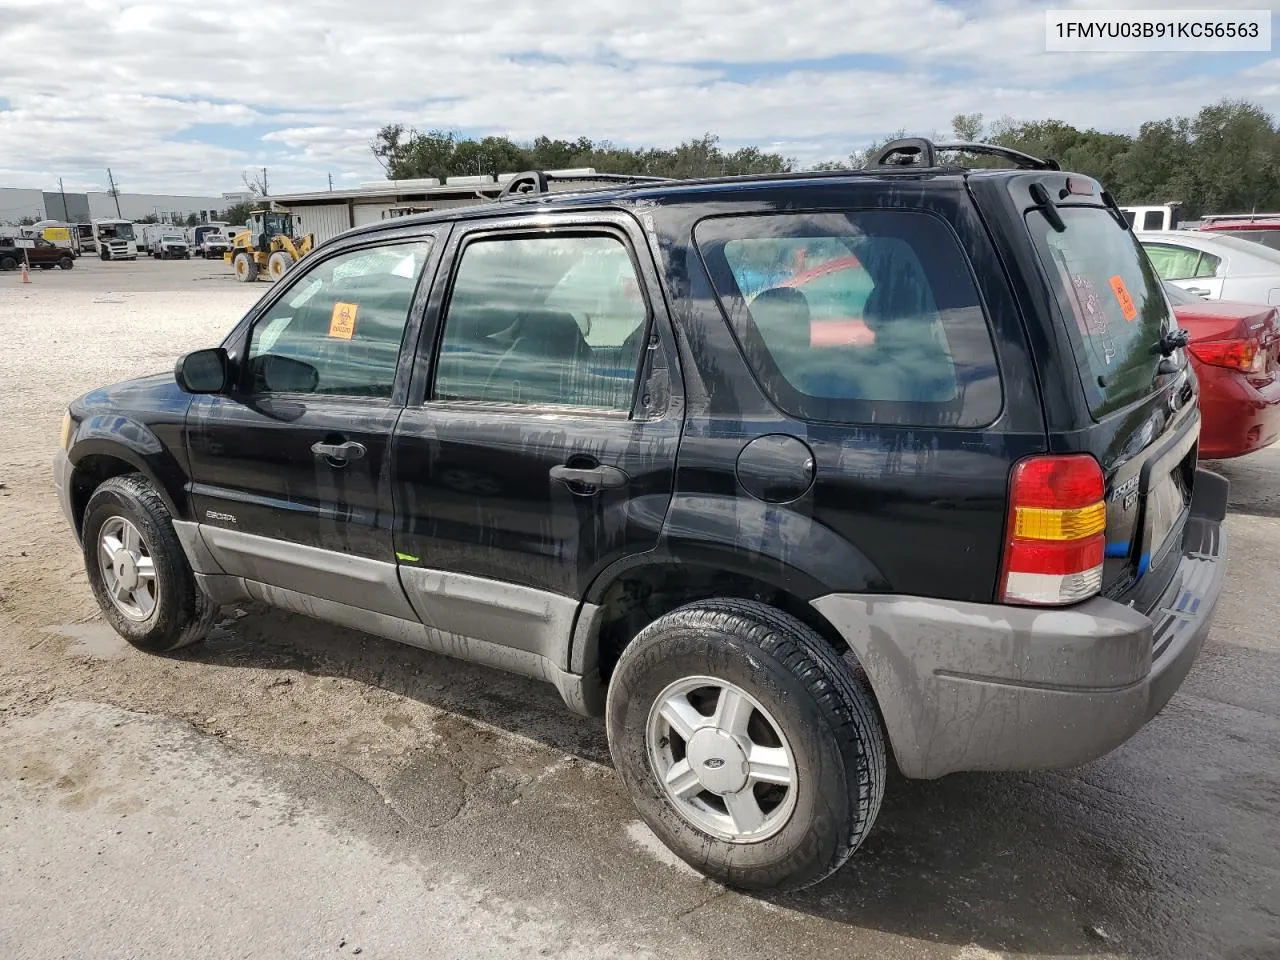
{"x":967,"y":127}
{"x":192,"y":219}
{"x":238,"y":214}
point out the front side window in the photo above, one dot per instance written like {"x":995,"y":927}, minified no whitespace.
{"x":860,"y":317}
{"x":337,"y":330}
{"x":549,"y":320}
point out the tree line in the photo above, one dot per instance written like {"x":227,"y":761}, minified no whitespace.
{"x":1225,"y":159}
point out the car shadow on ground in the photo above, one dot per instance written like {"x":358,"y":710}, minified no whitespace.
{"x":1028,"y":863}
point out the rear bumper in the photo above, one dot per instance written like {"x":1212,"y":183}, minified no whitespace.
{"x":969,"y":686}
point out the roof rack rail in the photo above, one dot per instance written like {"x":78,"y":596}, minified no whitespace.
{"x":534,"y":182}
{"x":917,"y":151}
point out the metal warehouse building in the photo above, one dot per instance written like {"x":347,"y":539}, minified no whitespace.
{"x":327,"y":213}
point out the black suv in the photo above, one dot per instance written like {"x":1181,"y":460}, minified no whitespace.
{"x":780,"y":474}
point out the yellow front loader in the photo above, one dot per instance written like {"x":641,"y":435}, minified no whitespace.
{"x":268,"y":246}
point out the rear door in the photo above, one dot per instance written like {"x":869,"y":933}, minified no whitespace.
{"x":542,"y":445}
{"x":1145,"y":431}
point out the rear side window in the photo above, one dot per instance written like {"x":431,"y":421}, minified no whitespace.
{"x":1111,"y":297}
{"x":1173,"y":262}
{"x":1153,"y":220}
{"x":544,"y":320}
{"x":859,"y":317}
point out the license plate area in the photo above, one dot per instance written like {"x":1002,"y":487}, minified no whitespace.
{"x":1164,"y":509}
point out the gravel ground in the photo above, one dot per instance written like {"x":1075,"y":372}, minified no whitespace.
{"x":289,"y":788}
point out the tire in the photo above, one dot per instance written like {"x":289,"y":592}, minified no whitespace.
{"x":8,"y":263}
{"x":246,"y":268}
{"x":181,"y":613}
{"x":66,"y":263}
{"x":278,"y":264}
{"x":821,"y":713}
{"x":104,"y":255}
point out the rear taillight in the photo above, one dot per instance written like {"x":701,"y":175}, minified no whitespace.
{"x":1055,"y":541}
{"x":1239,"y":354}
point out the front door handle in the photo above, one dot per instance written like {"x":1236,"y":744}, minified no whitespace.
{"x":350,"y":450}
{"x":600,"y":477}
{"x":1197,"y":291}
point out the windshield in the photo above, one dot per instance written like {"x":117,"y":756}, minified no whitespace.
{"x":1112,"y":299}
{"x":170,"y":238}
{"x":124,"y":231}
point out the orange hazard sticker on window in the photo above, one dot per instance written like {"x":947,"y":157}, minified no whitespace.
{"x":342,"y":325}
{"x":1123,"y":298}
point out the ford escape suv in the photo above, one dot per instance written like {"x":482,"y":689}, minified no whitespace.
{"x":785,"y":476}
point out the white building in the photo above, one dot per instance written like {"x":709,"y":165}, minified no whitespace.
{"x":17,"y":204}
{"x":327,"y":213}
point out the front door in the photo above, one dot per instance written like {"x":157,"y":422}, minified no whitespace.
{"x":545,"y":443}
{"x":291,"y":469}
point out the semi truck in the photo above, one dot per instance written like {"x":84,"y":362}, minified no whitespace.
{"x":116,"y":239}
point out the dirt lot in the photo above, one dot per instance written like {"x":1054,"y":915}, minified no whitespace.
{"x":289,"y":788}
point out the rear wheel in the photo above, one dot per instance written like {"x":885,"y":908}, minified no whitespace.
{"x":8,"y":263}
{"x":278,"y":264}
{"x":747,"y":744}
{"x":136,"y":567}
{"x":246,"y":268}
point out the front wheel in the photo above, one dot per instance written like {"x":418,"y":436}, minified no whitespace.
{"x":66,"y":263}
{"x":104,"y":255}
{"x":137,"y":570}
{"x":246,"y":268}
{"x":747,"y":744}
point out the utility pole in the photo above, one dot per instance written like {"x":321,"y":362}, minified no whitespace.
{"x":115,"y":194}
{"x":65,"y":215}
{"x":331,"y":181}
{"x":264,"y":182}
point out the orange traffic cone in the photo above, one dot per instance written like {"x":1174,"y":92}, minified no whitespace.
{"x":26,"y":275}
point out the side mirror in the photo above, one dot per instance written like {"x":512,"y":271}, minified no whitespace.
{"x":202,"y":371}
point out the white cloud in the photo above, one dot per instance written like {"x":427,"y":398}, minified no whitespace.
{"x":183,"y":95}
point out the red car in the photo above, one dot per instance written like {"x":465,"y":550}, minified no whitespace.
{"x":1235,"y":349}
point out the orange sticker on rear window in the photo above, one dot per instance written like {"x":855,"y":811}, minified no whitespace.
{"x":1123,"y":298}
{"x":342,"y":324}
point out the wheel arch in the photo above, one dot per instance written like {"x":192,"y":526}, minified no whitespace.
{"x":96,"y":460}
{"x":638,"y":590}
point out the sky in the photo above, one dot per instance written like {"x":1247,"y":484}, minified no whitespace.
{"x":180,"y":97}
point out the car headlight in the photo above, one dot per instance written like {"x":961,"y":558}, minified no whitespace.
{"x":68,"y":426}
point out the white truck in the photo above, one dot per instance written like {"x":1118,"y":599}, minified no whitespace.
{"x":116,"y":239}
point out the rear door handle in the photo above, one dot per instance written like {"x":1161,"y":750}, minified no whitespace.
{"x":350,"y":450}
{"x":600,"y":477}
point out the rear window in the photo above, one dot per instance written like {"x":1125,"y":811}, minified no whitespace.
{"x":1268,"y":238}
{"x":860,"y":317}
{"x":1112,"y":299}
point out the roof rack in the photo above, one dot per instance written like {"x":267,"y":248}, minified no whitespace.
{"x":917,"y":151}
{"x":534,"y":182}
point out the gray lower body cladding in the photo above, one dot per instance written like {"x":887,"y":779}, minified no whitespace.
{"x":969,"y":686}
{"x":501,"y":625}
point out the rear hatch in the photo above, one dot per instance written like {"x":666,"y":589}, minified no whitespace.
{"x":1142,"y":403}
